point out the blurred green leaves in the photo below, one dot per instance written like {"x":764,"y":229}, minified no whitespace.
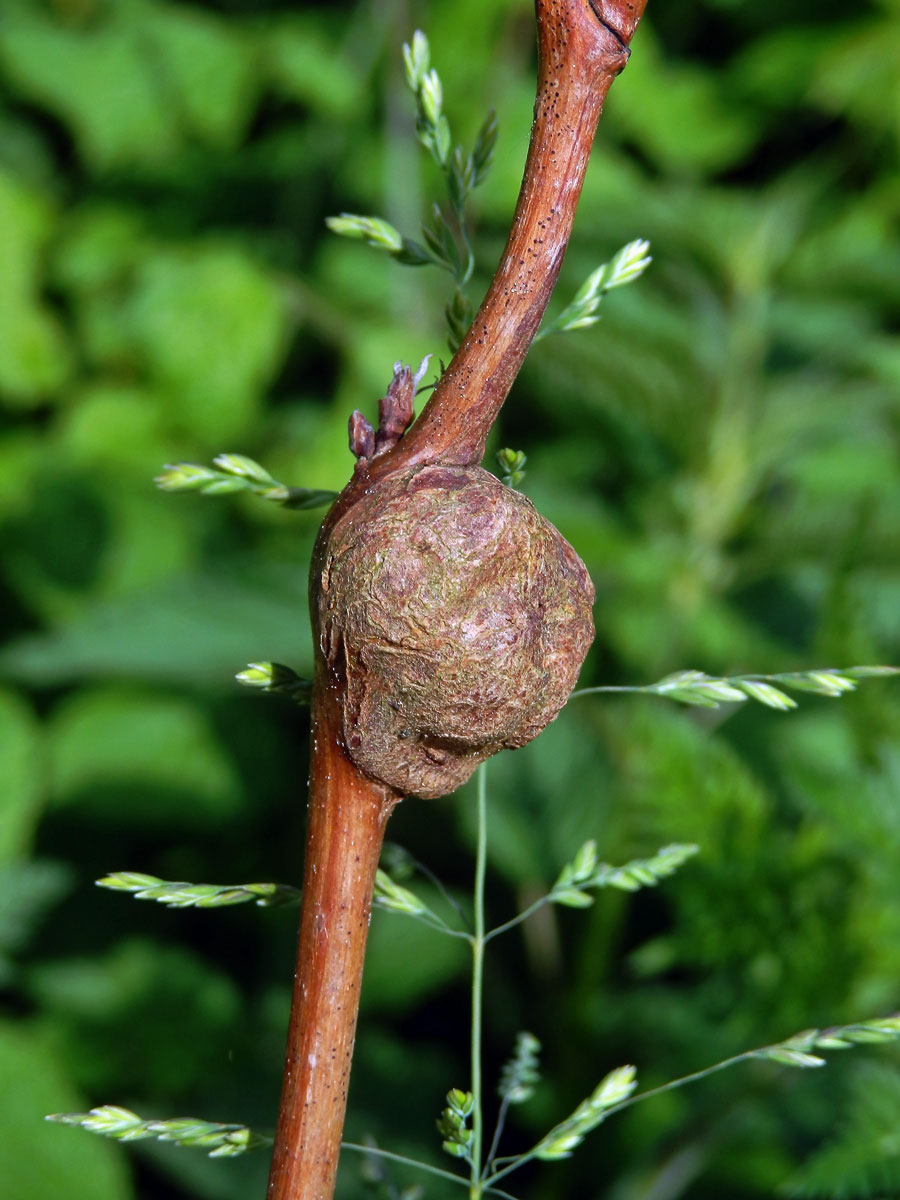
{"x":137,"y":81}
{"x":23,"y":771}
{"x":208,"y":325}
{"x":193,"y":629}
{"x":30,"y":889}
{"x":409,"y":961}
{"x":683,"y":120}
{"x":34,"y":1159}
{"x":131,"y":757}
{"x":34,"y":352}
{"x":110,"y":1015}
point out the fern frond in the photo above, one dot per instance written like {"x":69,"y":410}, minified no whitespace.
{"x":863,"y":1159}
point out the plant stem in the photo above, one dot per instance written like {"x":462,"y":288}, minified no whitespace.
{"x":452,"y":902}
{"x":582,"y":47}
{"x":347,"y":817}
{"x":478,"y":984}
{"x":389,"y":1156}
{"x":417,"y":1164}
{"x":518,"y":918}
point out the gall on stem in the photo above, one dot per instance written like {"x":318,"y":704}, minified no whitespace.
{"x":410,"y":695}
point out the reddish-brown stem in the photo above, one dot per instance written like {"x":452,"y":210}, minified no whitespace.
{"x":347,"y":816}
{"x":583,"y":45}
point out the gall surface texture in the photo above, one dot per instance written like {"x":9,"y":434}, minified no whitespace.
{"x":456,"y":619}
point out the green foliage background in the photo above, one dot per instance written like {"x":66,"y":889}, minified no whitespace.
{"x":722,"y":450}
